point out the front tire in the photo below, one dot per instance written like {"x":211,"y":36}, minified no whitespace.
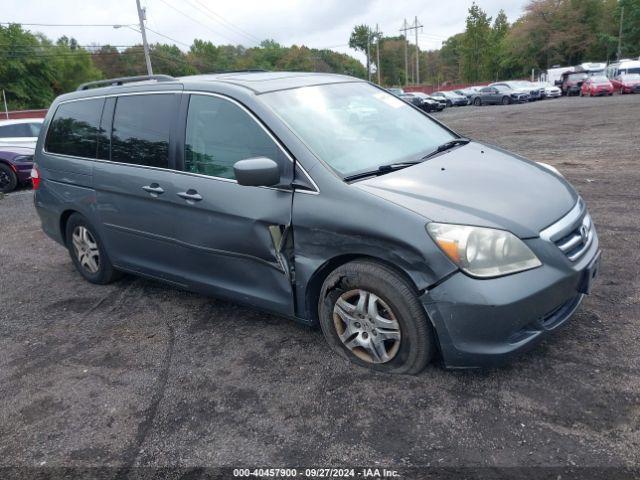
{"x":8,"y":179}
{"x":477,"y":102}
{"x":506,"y":100}
{"x":87,"y":251}
{"x":371,"y":315}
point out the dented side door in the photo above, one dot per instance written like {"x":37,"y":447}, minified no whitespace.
{"x":232,"y":240}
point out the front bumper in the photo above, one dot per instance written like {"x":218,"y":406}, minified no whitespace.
{"x":485,"y":323}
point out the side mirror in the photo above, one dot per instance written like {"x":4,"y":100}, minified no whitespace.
{"x":257,"y":172}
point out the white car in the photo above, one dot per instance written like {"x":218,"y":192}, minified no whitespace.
{"x":551,"y":91}
{"x":21,"y":132}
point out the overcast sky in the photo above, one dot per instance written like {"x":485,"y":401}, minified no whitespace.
{"x":315,"y":23}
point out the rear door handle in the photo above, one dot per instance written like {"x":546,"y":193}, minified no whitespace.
{"x":154,"y":188}
{"x":190,"y":195}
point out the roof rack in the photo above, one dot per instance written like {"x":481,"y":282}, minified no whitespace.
{"x":123,"y":80}
{"x":246,"y":70}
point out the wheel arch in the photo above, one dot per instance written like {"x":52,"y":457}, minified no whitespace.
{"x":64,"y":218}
{"x":314,"y":285}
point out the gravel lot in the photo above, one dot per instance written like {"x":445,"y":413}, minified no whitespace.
{"x":141,"y":374}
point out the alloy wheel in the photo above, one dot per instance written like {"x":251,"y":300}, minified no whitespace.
{"x":86,"y":249}
{"x":367,"y":326}
{"x":5,"y":179}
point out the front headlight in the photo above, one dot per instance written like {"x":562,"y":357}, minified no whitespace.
{"x":483,"y":252}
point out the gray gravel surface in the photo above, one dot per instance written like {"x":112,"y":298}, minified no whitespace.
{"x":141,"y":374}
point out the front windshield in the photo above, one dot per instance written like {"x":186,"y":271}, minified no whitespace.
{"x":600,"y":80}
{"x":355,"y":127}
{"x":631,"y":76}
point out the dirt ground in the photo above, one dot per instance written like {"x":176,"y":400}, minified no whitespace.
{"x":141,"y":374}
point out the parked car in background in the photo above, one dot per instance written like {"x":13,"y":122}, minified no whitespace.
{"x":451,"y":98}
{"x":395,"y":91}
{"x":468,"y":92}
{"x":422,"y":101}
{"x":550,"y":91}
{"x":626,"y":83}
{"x":571,"y":82}
{"x":498,"y":95}
{"x":410,"y":240}
{"x":22,"y":131}
{"x":16,"y":163}
{"x":596,"y":86}
{"x":534,"y":91}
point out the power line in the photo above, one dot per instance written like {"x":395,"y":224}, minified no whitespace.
{"x":168,"y":37}
{"x":65,"y":24}
{"x":232,"y":25}
{"x":195,"y":20}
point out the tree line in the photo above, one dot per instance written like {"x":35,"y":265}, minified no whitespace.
{"x":34,"y":69}
{"x":549,"y":33}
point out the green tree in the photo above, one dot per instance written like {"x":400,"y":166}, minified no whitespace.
{"x":360,"y":39}
{"x":498,"y":34}
{"x":630,"y":26}
{"x":476,"y":44}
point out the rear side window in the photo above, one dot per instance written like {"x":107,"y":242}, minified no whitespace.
{"x":141,"y":129}
{"x":75,"y":127}
{"x":220,"y":133}
{"x":15,"y":130}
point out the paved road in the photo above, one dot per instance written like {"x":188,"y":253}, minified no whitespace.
{"x":139,"y":373}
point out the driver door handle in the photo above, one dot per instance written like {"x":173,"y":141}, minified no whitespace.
{"x":154,"y":188}
{"x":190,"y":195}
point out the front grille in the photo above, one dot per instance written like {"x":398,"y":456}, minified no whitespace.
{"x":578,"y":241}
{"x":573,"y":233}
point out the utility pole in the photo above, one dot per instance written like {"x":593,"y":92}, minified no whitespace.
{"x":142,"y":18}
{"x":416,"y":26}
{"x":378,"y":35}
{"x":368,"y":53}
{"x":405,"y":27}
{"x":620,"y":34}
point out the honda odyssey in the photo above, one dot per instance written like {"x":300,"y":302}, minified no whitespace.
{"x":322,"y":198}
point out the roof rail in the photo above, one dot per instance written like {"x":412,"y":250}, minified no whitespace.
{"x":123,"y":80}
{"x":246,"y":70}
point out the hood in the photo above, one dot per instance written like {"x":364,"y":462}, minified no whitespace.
{"x":476,"y":184}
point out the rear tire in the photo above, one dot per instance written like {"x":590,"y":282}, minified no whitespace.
{"x":87,"y":251}
{"x":8,"y":179}
{"x":358,"y":292}
{"x":449,"y":104}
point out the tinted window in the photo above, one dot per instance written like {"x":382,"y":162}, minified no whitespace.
{"x":219,"y":133}
{"x":141,"y":129}
{"x":16,"y":130}
{"x":74,"y":128}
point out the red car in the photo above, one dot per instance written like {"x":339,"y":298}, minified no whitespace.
{"x":594,"y":86}
{"x":627,"y":83}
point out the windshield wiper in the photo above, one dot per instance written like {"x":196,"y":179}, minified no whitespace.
{"x":447,"y":146}
{"x":381,"y":170}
